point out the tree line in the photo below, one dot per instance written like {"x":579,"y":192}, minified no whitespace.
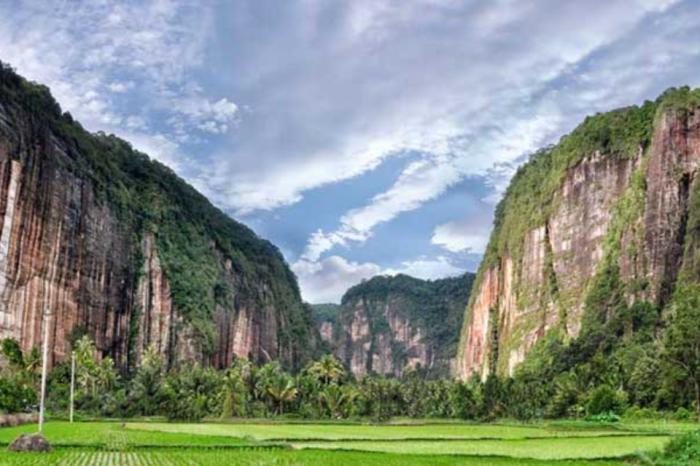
{"x":624,"y":368}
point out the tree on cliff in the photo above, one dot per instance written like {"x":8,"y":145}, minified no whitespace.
{"x":682,"y":343}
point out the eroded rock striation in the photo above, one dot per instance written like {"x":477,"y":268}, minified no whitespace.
{"x":608,"y":205}
{"x":388,"y":325}
{"x":115,"y":245}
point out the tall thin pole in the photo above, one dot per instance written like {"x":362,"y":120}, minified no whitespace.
{"x":44,"y":369}
{"x":72,"y":385}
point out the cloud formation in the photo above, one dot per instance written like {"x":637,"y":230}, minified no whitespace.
{"x":121,"y":67}
{"x":264,"y":109}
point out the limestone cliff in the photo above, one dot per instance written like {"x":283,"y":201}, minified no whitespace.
{"x":387,"y":325}
{"x":609,"y":203}
{"x":115,"y":245}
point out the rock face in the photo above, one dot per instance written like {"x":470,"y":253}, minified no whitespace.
{"x":388,"y":325}
{"x":115,"y":245}
{"x":612,"y":198}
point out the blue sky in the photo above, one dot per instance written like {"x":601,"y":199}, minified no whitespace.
{"x":362,"y":137}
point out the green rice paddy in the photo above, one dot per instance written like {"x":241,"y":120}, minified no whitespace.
{"x":299,"y":444}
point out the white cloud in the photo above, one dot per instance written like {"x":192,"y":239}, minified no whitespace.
{"x":526,"y":113}
{"x":450,"y":81}
{"x":427,"y":269}
{"x":92,"y":54}
{"x":120,"y":87}
{"x":327,"y":280}
{"x":462,"y":236}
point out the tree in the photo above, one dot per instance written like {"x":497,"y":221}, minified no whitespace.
{"x":234,"y":393}
{"x":105,"y":375}
{"x":682,"y":342}
{"x":146,"y":387}
{"x":327,"y":370}
{"x":12,"y":352}
{"x":282,"y":391}
{"x":86,"y":367}
{"x":338,"y":400}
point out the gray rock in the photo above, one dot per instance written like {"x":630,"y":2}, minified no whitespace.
{"x":30,"y":442}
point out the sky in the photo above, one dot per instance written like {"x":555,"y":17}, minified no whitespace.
{"x":362,"y":137}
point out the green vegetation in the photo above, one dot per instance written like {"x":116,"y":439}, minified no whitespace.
{"x":632,"y":358}
{"x":274,"y":431}
{"x":544,"y":449}
{"x":267,"y":457}
{"x":436,"y":307}
{"x":195,"y":240}
{"x":326,"y":312}
{"x":103,"y":443}
{"x":680,"y":451}
{"x":112,"y":436}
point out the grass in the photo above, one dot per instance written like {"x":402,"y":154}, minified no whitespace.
{"x":283,"y":432}
{"x":112,"y":436}
{"x":541,"y":449}
{"x":304,"y":444}
{"x":264,"y":458}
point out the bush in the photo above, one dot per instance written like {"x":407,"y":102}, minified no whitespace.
{"x":683,"y":414}
{"x":606,"y":417}
{"x":635,"y":413}
{"x":604,"y":399}
{"x":680,"y":451}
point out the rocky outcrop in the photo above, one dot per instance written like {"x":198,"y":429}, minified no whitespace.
{"x":389,"y":325}
{"x":617,"y":205}
{"x":112,"y":244}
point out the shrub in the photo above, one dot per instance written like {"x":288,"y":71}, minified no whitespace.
{"x":604,"y":399}
{"x":680,"y":451}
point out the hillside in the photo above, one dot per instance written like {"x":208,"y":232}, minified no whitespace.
{"x":389,"y":324}
{"x":117,"y":246}
{"x":591,"y":241}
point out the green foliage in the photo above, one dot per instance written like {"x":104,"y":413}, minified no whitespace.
{"x":195,"y":240}
{"x":12,"y":352}
{"x":605,"y":400}
{"x":434,"y":306}
{"x":187,"y":393}
{"x":681,"y":351}
{"x":326,"y":312}
{"x":18,"y":381}
{"x":529,"y":200}
{"x":680,"y":451}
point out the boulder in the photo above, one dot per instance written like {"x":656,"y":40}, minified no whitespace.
{"x":30,"y":442}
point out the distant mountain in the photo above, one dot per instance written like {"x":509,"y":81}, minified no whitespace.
{"x":118,"y":247}
{"x":387,"y":325}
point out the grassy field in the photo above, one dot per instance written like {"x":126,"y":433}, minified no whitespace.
{"x":292,"y":432}
{"x":155,"y":444}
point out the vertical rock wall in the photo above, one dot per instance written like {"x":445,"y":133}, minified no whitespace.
{"x":547,"y":286}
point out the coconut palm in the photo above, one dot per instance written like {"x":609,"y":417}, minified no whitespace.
{"x":282,"y":391}
{"x":327,"y":370}
{"x":338,"y":400}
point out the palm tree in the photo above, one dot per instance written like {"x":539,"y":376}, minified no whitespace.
{"x":147,"y":385}
{"x":338,"y":399}
{"x":86,"y":366}
{"x":105,"y":375}
{"x":327,"y":370}
{"x":234,"y":393}
{"x":282,"y":391}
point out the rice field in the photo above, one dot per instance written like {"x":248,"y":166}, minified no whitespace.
{"x":298,"y":444}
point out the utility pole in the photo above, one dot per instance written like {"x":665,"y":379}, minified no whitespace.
{"x":72,"y":385}
{"x":44,"y":369}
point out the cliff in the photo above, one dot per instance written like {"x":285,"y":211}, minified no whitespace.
{"x":601,"y":216}
{"x":387,"y":325}
{"x":115,"y":245}
{"x":326,"y":314}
